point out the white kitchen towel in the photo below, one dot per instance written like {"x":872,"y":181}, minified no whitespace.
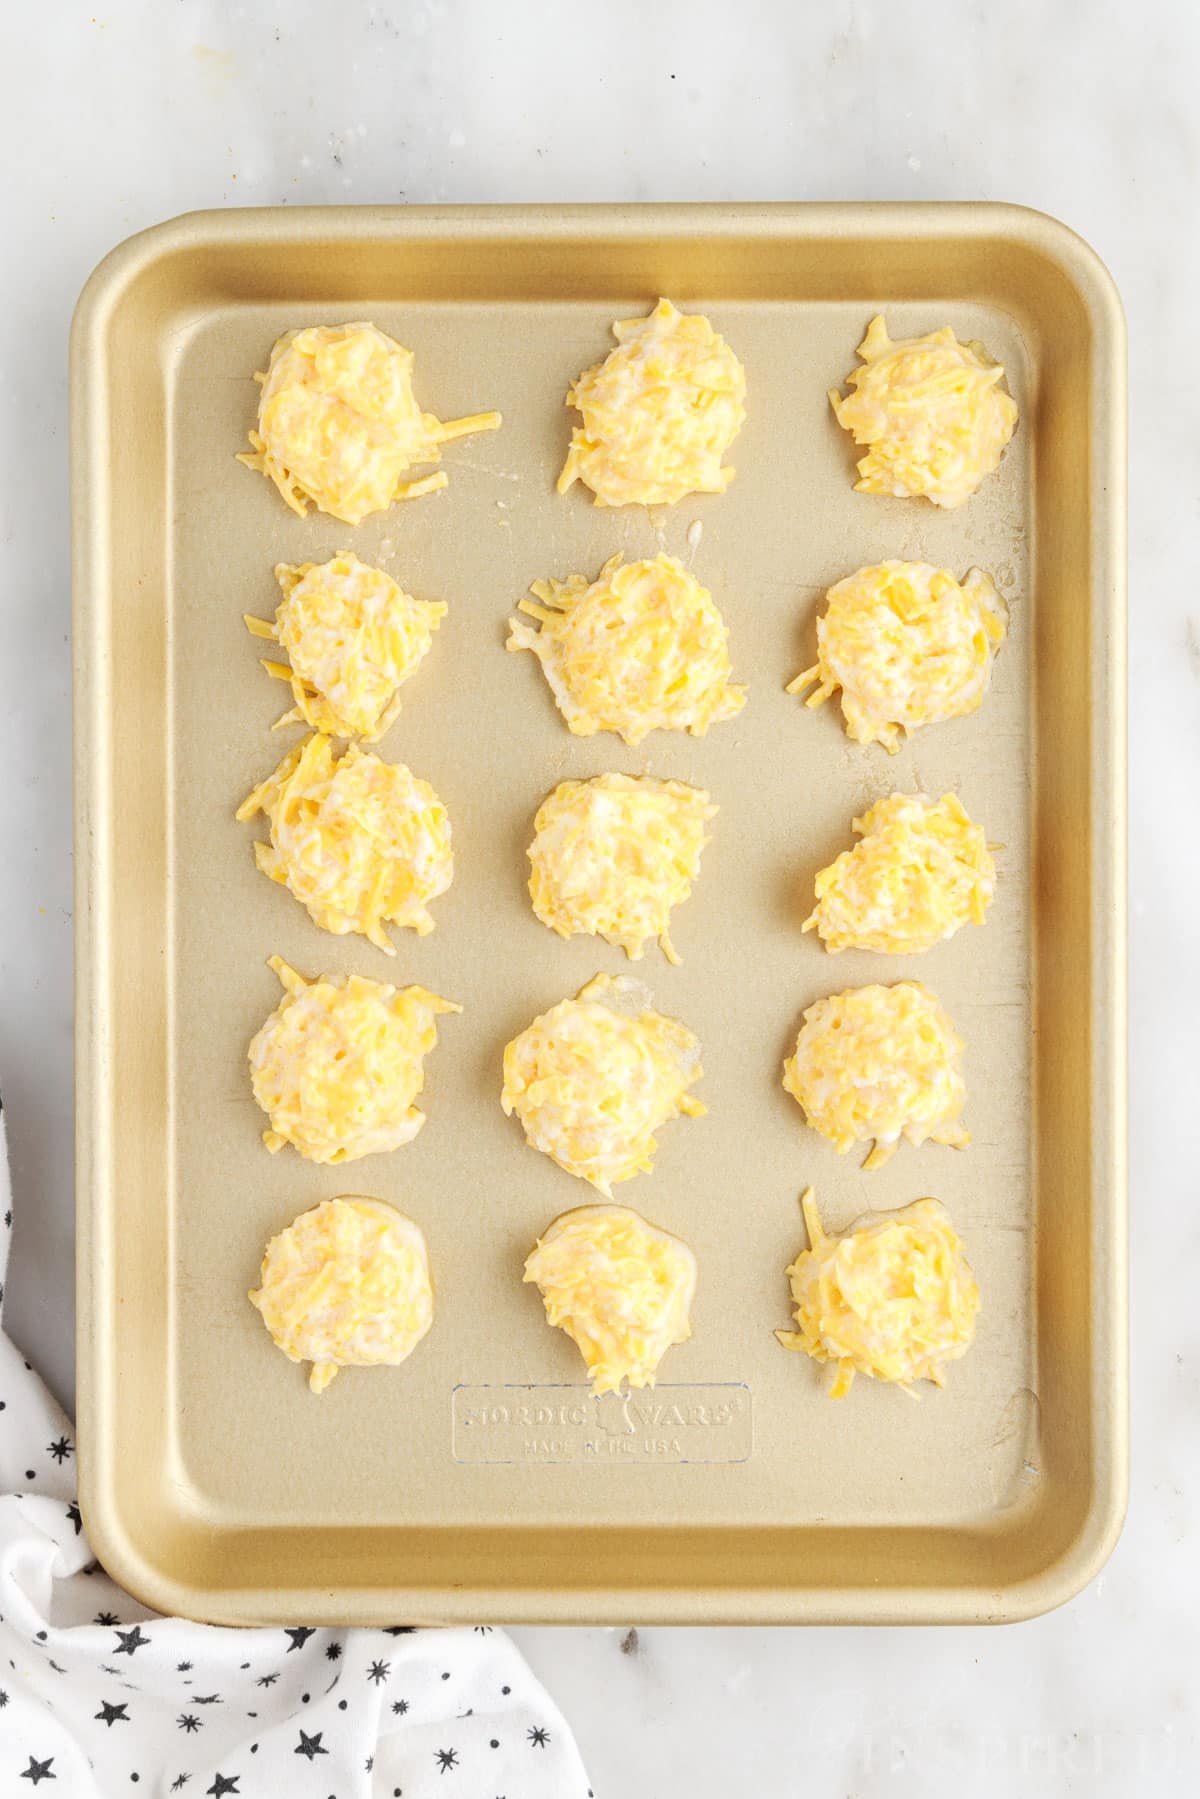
{"x":100,"y":1697}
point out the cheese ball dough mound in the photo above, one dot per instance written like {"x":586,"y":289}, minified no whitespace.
{"x":892,"y":1297}
{"x":611,"y":856}
{"x":346,"y":1286}
{"x":339,"y":424}
{"x":642,"y":648}
{"x":879,"y":1063}
{"x":336,"y":1068}
{"x":359,"y":842}
{"x":592,"y":1082}
{"x":908,"y":645}
{"x":353,"y":638}
{"x":621,"y":1289}
{"x":658,"y":413}
{"x":921,"y":872}
{"x":932,"y":411}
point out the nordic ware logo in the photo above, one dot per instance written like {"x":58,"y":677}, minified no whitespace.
{"x":674,"y":1423}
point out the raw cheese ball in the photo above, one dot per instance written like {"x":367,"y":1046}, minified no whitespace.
{"x":879,"y":1063}
{"x":337,"y":1068}
{"x":339,"y":424}
{"x":642,"y":648}
{"x":908,"y":646}
{"x":354,"y":637}
{"x":591,"y":1083}
{"x":658,"y":413}
{"x":921,"y":872}
{"x":621,"y":1289}
{"x":932,"y":411}
{"x":611,"y":856}
{"x":346,"y":1286}
{"x":893,"y":1297}
{"x":359,"y":842}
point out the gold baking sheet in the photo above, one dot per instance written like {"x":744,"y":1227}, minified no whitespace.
{"x":481,"y":1480}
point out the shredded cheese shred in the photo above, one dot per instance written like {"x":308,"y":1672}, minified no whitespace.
{"x":659,"y":413}
{"x":932,"y":411}
{"x":353,"y":637}
{"x":642,"y":648}
{"x":879,"y":1064}
{"x":908,"y":645}
{"x":594,"y":1078}
{"x":619,"y":1287}
{"x":337,"y":1066}
{"x":346,"y":1285}
{"x":359,"y":842}
{"x":612,"y":856}
{"x":893,"y":1297}
{"x":339,"y":425}
{"x":921,"y":872}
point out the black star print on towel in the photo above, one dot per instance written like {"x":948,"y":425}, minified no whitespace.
{"x":187,"y":1722}
{"x":266,"y":1680}
{"x":108,"y":1618}
{"x":113,"y":1714}
{"x":378,"y":1671}
{"x":299,"y":1636}
{"x":400,"y":1706}
{"x":310,"y":1746}
{"x":538,"y":1737}
{"x":208,"y":1699}
{"x":60,"y":1449}
{"x":446,"y":1759}
{"x":131,"y":1641}
{"x":333,"y":1651}
{"x":183,"y":1667}
{"x":76,"y":1517}
{"x":3,"y":1698}
{"x":178,"y":1784}
{"x":224,"y":1783}
{"x":39,"y":1771}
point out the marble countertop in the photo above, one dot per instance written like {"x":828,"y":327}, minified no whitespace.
{"x":123,"y":114}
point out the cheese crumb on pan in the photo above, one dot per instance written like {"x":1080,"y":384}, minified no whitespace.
{"x":591,"y":1082}
{"x":893,"y":1297}
{"x":932,"y":411}
{"x":353,"y":636}
{"x":642,"y":648}
{"x":339,"y":424}
{"x":908,"y":645}
{"x":921,"y":872}
{"x":621,"y":1288}
{"x":346,"y":1285}
{"x":336,"y":1067}
{"x":613,"y":855}
{"x":658,"y":413}
{"x":879,"y":1063}
{"x":359,"y":842}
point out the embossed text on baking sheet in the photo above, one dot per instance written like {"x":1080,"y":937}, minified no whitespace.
{"x":569,"y":1423}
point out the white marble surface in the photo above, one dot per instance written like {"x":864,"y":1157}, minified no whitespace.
{"x":123,"y":114}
